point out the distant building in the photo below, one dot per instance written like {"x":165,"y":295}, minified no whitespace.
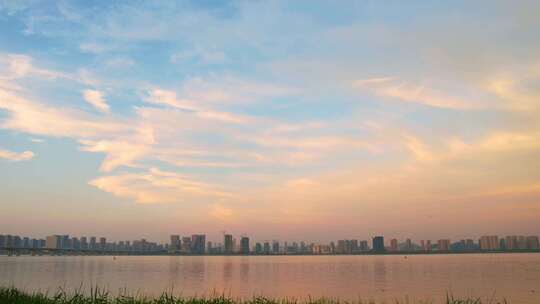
{"x":275,"y":247}
{"x":522,"y":242}
{"x":532,"y":242}
{"x":489,"y":242}
{"x":175,"y":244}
{"x":408,"y":245}
{"x":244,"y":245}
{"x":321,"y":249}
{"x":258,"y":248}
{"x":393,"y":245}
{"x":340,"y":248}
{"x":84,"y":243}
{"x":228,"y":243}
{"x":443,"y":245}
{"x":53,"y":242}
{"x":198,"y":243}
{"x":102,"y":243}
{"x":186,"y":244}
{"x":364,"y":246}
{"x":93,"y":243}
{"x":266,"y":248}
{"x":426,"y":245}
{"x":378,"y":244}
{"x":511,"y":242}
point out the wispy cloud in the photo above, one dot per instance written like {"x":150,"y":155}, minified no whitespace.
{"x":16,"y":157}
{"x":389,"y":87}
{"x":96,"y":99}
{"x":156,"y":186}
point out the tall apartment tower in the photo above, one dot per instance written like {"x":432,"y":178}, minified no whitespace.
{"x":102,"y":243}
{"x":244,"y":245}
{"x":228,"y":243}
{"x":378,"y":244}
{"x":489,"y":242}
{"x":175,"y":244}
{"x":53,"y":242}
{"x":198,"y":243}
{"x":186,"y":244}
{"x":393,"y":245}
{"x":443,"y":245}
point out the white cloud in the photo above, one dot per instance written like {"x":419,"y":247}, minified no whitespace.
{"x":165,"y":97}
{"x":389,"y":87}
{"x":16,"y":66}
{"x":96,"y":99}
{"x":16,"y":157}
{"x":40,"y":119}
{"x":156,"y":186}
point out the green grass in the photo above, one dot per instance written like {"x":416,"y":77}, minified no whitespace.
{"x":101,"y":296}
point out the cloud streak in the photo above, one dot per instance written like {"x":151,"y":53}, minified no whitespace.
{"x":97,"y":100}
{"x":16,"y":157}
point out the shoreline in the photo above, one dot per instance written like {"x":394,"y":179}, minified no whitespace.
{"x":67,"y":252}
{"x":103,"y":296}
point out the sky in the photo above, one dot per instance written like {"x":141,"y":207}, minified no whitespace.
{"x":290,"y":120}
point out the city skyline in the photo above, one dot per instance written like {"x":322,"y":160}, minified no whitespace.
{"x":285,"y":120}
{"x":198,"y":244}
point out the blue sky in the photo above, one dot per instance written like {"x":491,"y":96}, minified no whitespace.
{"x":133,"y":119}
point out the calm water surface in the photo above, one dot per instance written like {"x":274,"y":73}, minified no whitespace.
{"x":419,"y":277}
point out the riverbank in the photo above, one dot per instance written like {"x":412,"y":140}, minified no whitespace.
{"x":98,"y":296}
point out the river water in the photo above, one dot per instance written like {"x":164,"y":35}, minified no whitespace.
{"x":515,"y":277}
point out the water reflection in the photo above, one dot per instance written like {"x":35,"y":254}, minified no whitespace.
{"x":514,"y":276}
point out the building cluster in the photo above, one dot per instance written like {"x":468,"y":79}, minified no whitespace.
{"x":350,"y":246}
{"x":197,"y":244}
{"x":66,"y":242}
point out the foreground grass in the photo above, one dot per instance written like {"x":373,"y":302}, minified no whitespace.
{"x":98,"y":296}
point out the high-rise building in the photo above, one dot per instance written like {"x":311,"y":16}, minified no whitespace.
{"x":175,"y":244}
{"x":532,"y":242}
{"x":65,"y":243}
{"x":198,"y":243}
{"x":17,"y":241}
{"x":275,"y":247}
{"x":408,"y":245}
{"x":426,"y":245}
{"x":186,"y":244}
{"x":522,"y":242}
{"x":84,"y":243}
{"x":266,"y":248}
{"x":511,"y":242}
{"x":244,"y":245}
{"x":489,"y":242}
{"x":341,"y":247}
{"x":102,"y":243}
{"x":258,"y":248}
{"x":93,"y":243}
{"x":364,"y":246}
{"x":378,"y":244}
{"x":53,"y":242}
{"x":75,"y":243}
{"x":354,"y":246}
{"x":393,"y":245}
{"x":443,"y":245}
{"x":228,"y":243}
{"x":2,"y":241}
